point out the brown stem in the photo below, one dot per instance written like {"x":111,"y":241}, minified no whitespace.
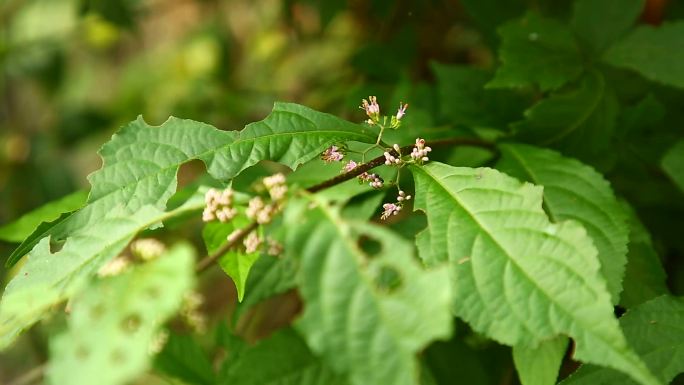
{"x":207,"y":261}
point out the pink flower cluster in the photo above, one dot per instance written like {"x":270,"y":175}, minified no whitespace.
{"x":420,"y":151}
{"x":390,"y":209}
{"x":332,"y":154}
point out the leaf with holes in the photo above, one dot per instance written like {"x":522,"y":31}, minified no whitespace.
{"x":141,"y":161}
{"x":113,"y":324}
{"x":573,"y":190}
{"x":367,"y":315}
{"x":517,"y":277}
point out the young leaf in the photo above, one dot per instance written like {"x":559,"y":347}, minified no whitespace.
{"x":367,"y":315}
{"x":654,"y":329}
{"x":236,"y":263}
{"x":536,"y":50}
{"x":598,"y":23}
{"x":282,"y":359}
{"x":48,"y":278}
{"x":654,"y":52}
{"x":517,"y":277}
{"x":114,"y":322}
{"x":183,"y":358}
{"x":573,"y":190}
{"x":18,"y":230}
{"x":580,"y":121}
{"x":141,"y":161}
{"x":540,"y":365}
{"x":269,"y":276}
{"x":644,"y":274}
{"x":673,"y":164}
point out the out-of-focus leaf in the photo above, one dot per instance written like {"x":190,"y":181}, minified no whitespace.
{"x":654,"y":329}
{"x":365,"y":314}
{"x":536,"y":51}
{"x":580,"y":121}
{"x":598,"y":23}
{"x":517,"y":277}
{"x":673,"y":164}
{"x":183,"y":358}
{"x":18,"y":230}
{"x":540,"y":365}
{"x":575,"y":191}
{"x":644,"y":275}
{"x":654,"y":52}
{"x":282,"y":359}
{"x":464,"y":99}
{"x":113,"y":324}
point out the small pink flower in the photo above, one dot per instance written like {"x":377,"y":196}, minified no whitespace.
{"x":349,"y":166}
{"x":402,"y":110}
{"x":332,"y":154}
{"x":372,"y":109}
{"x":389,"y":210}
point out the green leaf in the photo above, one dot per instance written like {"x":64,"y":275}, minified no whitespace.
{"x":48,"y":278}
{"x":644,"y":275}
{"x":581,"y":121}
{"x":654,"y":52}
{"x":269,"y":276}
{"x":141,"y":161}
{"x":536,"y":50}
{"x":517,"y":277}
{"x":488,"y":14}
{"x":18,"y":230}
{"x":367,"y":315}
{"x":673,"y":164}
{"x":183,"y":358}
{"x":575,"y":191}
{"x":540,"y":365}
{"x":464,"y":99}
{"x":282,"y":359}
{"x":655,"y":331}
{"x":236,"y":263}
{"x":114,"y":322}
{"x":599,"y":23}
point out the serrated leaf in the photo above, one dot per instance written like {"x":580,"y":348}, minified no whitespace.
{"x":644,"y":274}
{"x":540,"y":365}
{"x":580,"y":121}
{"x":673,"y":164}
{"x":48,"y":278}
{"x":183,"y":358}
{"x":536,"y":51}
{"x":114,"y":322}
{"x":141,"y":161}
{"x":236,"y":263}
{"x":281,"y":359}
{"x":655,"y":331}
{"x":517,"y":277}
{"x":598,"y":23}
{"x":367,"y":315}
{"x":18,"y":230}
{"x":464,"y":99}
{"x":654,"y":52}
{"x":575,"y":191}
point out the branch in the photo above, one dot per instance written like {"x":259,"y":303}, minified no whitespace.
{"x":209,"y":260}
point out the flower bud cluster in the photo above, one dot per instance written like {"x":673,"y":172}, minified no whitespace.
{"x":274,"y":247}
{"x":349,"y":166}
{"x":219,"y":205}
{"x":374,"y":180}
{"x":275,"y":184}
{"x":390,"y":209}
{"x":260,"y":211}
{"x":420,"y":151}
{"x":190,"y":311}
{"x":252,"y":242}
{"x":390,"y":159}
{"x":147,"y":248}
{"x":372,"y":109}
{"x":332,"y":154}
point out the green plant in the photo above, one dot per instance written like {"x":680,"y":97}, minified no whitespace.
{"x":507,"y":220}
